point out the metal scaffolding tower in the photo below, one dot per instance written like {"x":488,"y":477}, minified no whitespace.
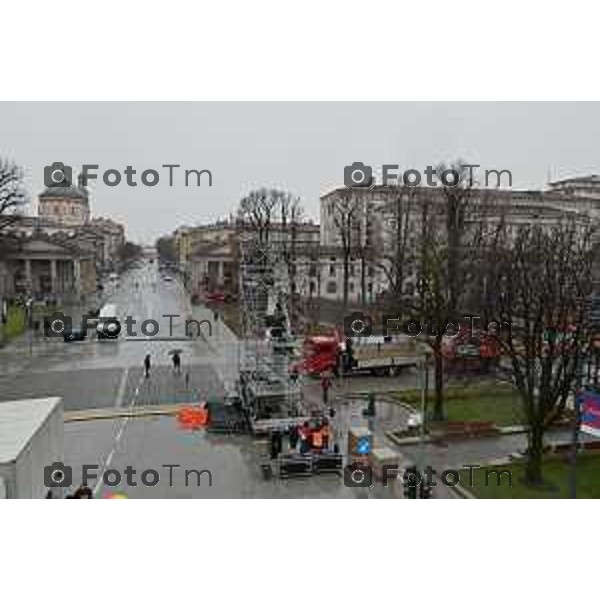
{"x":271,"y":393}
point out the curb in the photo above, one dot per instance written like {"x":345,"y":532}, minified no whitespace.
{"x":115,"y":413}
{"x":408,"y":441}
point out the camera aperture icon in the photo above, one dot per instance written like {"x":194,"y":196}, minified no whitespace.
{"x":358,"y":475}
{"x":358,"y":324}
{"x":58,"y":175}
{"x":358,"y":175}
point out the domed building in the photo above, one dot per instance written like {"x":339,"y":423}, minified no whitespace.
{"x":65,"y":205}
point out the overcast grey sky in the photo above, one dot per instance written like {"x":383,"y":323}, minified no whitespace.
{"x":299,"y":147}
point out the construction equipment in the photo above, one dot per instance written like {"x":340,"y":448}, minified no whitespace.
{"x":269,"y":394}
{"x":377,"y":355}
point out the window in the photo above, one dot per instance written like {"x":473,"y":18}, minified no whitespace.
{"x":332,"y":270}
{"x":313,"y":287}
{"x":312,"y":271}
{"x":351,"y":286}
{"x":331,"y":287}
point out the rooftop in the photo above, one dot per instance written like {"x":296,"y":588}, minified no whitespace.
{"x":19,"y":421}
{"x":71,"y":191}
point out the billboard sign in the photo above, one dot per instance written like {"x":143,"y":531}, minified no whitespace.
{"x":590,"y":412}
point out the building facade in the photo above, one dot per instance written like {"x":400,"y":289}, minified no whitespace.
{"x":65,"y":205}
{"x":376,"y":212}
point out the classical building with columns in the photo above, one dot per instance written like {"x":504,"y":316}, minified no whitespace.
{"x":49,"y":267}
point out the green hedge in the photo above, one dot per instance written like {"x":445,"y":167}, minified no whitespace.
{"x":15,"y":324}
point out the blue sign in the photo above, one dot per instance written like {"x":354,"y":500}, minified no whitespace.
{"x":363,"y":445}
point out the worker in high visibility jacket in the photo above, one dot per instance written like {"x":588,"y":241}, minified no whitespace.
{"x":317,"y":440}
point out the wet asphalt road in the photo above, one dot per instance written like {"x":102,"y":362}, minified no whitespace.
{"x":102,"y":374}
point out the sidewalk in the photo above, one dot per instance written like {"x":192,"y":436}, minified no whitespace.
{"x":224,"y":344}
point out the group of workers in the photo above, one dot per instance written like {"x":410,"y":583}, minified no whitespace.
{"x":311,"y":436}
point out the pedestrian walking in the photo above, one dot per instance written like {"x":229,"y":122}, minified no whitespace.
{"x":177,"y":363}
{"x":325,"y":385}
{"x":147,"y":366}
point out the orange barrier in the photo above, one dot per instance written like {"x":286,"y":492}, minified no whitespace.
{"x":192,"y":417}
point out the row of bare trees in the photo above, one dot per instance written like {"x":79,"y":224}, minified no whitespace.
{"x":467,"y":257}
{"x":274,"y":217}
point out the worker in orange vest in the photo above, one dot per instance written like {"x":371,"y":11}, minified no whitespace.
{"x":317,"y":439}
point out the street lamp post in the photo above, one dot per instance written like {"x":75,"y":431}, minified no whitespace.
{"x":421,"y":453}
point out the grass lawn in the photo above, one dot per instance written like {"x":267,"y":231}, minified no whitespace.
{"x":555,"y":472}
{"x":15,"y":323}
{"x":498,"y":403}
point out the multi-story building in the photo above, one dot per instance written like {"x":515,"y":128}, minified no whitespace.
{"x":373,"y":233}
{"x":207,"y":256}
{"x":111,"y":236}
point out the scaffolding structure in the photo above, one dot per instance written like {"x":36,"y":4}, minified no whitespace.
{"x":270,"y":392}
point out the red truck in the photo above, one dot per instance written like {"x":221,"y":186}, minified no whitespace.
{"x":471,"y":352}
{"x":378,"y":355}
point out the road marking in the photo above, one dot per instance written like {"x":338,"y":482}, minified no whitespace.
{"x":121,"y":392}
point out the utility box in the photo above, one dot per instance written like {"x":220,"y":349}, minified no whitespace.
{"x":31,"y":438}
{"x":360,"y":444}
{"x":382,"y":457}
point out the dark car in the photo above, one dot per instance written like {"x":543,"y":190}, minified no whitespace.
{"x":77,"y":334}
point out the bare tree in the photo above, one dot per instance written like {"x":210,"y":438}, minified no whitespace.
{"x":542,"y":282}
{"x":12,"y":195}
{"x":447,"y":242}
{"x":291,"y":214}
{"x":257,"y":212}
{"x":398,"y":255}
{"x":347,"y":220}
{"x":272,"y":217}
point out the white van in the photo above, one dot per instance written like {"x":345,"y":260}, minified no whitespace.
{"x":108,"y":313}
